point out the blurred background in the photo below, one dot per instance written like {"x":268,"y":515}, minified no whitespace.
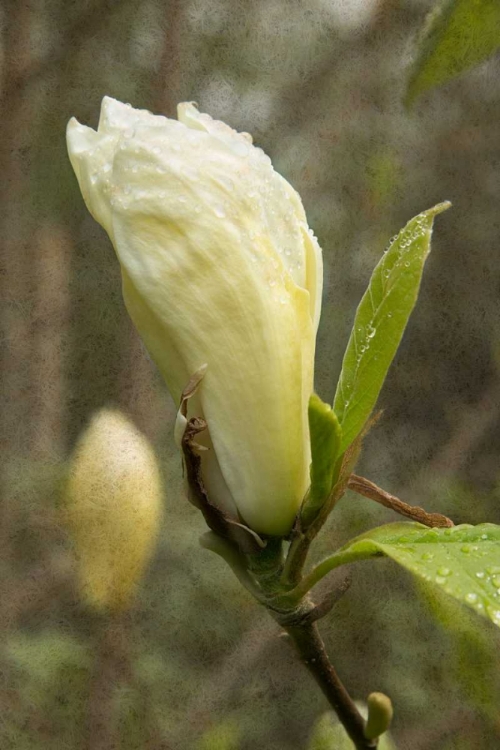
{"x":195,"y":664}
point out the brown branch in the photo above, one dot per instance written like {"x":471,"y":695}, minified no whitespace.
{"x":311,"y":648}
{"x":371,"y":491}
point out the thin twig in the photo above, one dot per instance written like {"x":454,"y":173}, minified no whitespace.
{"x":313,"y":654}
{"x":371,"y":491}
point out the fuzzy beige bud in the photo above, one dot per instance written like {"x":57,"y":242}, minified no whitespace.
{"x":113,"y":509}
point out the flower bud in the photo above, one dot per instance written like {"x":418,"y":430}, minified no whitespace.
{"x":380,"y":713}
{"x":219,"y":267}
{"x":112,"y":509}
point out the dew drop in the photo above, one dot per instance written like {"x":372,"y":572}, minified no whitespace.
{"x":240,"y":148}
{"x":427,"y":556}
{"x":444,"y":571}
{"x":471,"y":598}
{"x":494,"y":614}
{"x":219,"y":212}
{"x":480,"y":574}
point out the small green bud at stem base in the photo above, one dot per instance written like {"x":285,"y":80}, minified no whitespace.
{"x":380,"y":714}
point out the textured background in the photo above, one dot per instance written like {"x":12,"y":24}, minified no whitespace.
{"x":319,"y":84}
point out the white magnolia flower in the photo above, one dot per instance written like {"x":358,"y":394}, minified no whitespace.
{"x":219,"y":268}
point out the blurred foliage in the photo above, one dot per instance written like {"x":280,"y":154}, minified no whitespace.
{"x":458,"y":34}
{"x":328,"y":734}
{"x":320,"y":85}
{"x":473,"y":653}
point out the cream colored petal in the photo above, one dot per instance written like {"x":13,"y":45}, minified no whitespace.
{"x":281,"y":210}
{"x":210,"y":304}
{"x":218,"y":267}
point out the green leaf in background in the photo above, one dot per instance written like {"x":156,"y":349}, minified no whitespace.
{"x":472,"y":652}
{"x":325,"y":436}
{"x":329,"y":734}
{"x":458,"y":35}
{"x":380,"y":321}
{"x":463,"y":561}
{"x":223,"y":736}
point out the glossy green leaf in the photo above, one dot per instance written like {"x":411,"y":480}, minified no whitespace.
{"x":325,"y":436}
{"x":458,"y":34}
{"x":464,"y":561}
{"x":380,"y":321}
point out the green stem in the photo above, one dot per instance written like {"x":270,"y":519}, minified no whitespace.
{"x":231,"y":555}
{"x":295,"y":560}
{"x":342,"y":557}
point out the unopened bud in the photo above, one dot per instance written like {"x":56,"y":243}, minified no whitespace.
{"x":113,"y":509}
{"x":379,"y":715}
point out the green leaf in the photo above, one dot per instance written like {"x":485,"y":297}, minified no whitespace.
{"x":380,"y":321}
{"x":472,"y":649}
{"x":458,"y":34}
{"x":325,"y":436}
{"x":463,"y":561}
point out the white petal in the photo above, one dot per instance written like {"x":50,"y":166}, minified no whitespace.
{"x":218,"y":267}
